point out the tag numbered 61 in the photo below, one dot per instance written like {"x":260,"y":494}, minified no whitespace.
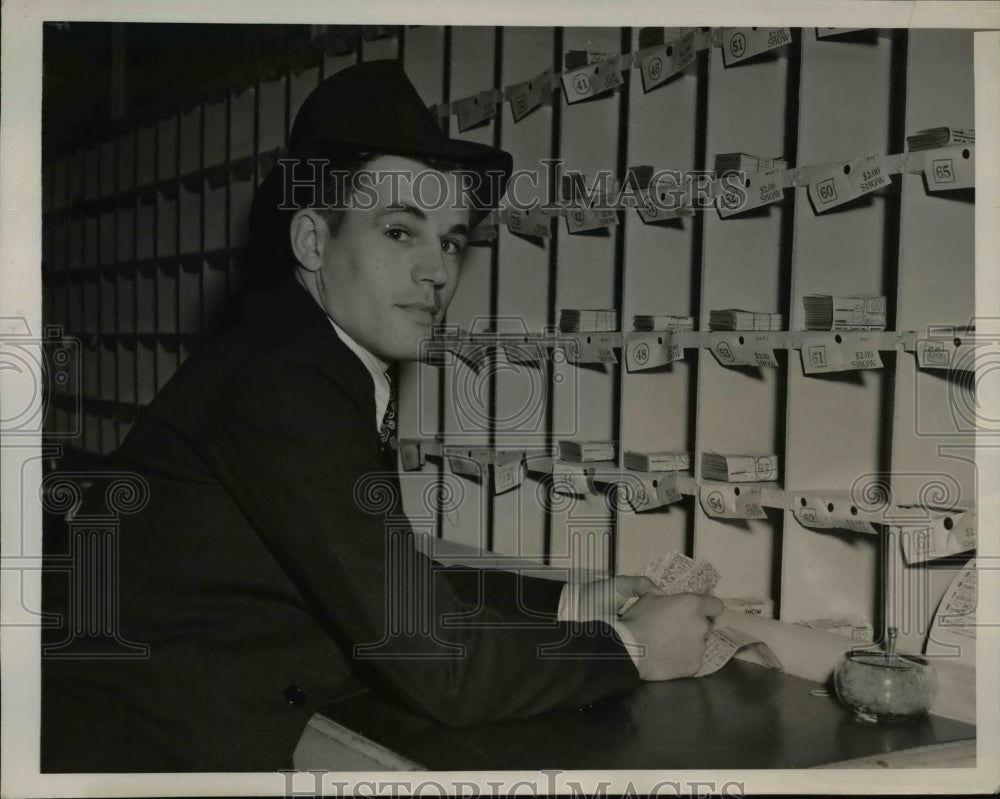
{"x":950,"y":168}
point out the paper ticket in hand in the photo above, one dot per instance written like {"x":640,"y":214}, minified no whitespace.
{"x":675,"y":573}
{"x":725,"y":642}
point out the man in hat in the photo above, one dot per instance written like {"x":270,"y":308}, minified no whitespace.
{"x":272,"y":571}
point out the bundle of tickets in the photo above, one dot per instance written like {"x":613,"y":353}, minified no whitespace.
{"x":848,"y":627}
{"x":675,"y":573}
{"x":584,"y":451}
{"x":743,"y":163}
{"x":738,"y":319}
{"x":739,"y":468}
{"x":932,"y":138}
{"x":588,"y":320}
{"x":656,"y":461}
{"x":824,"y":312}
{"x":650,"y":322}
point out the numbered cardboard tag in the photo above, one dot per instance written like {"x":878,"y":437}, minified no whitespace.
{"x":663,"y":202}
{"x":464,"y":462}
{"x":823,"y":353}
{"x":531,"y":221}
{"x":591,"y":80}
{"x":508,"y":470}
{"x":826,"y":33}
{"x":758,"y":189}
{"x":732,"y":502}
{"x":411,"y":454}
{"x":523,"y":352}
{"x":869,"y":174}
{"x":650,"y":350}
{"x":579,"y":220}
{"x":527,"y":96}
{"x":953,"y":354}
{"x":942,"y":536}
{"x":950,"y":168}
{"x":745,"y":349}
{"x":739,"y":44}
{"x":569,"y":478}
{"x":813,"y":514}
{"x":665,"y":61}
{"x":649,"y":490}
{"x":472,"y":111}
{"x":835,"y":185}
{"x":592,"y":348}
{"x":472,"y":353}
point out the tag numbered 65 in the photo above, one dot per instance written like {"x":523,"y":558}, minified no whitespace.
{"x":950,"y":168}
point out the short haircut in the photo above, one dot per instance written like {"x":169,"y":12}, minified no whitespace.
{"x":347,"y":166}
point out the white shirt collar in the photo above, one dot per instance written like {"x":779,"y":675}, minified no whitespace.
{"x":375,"y":366}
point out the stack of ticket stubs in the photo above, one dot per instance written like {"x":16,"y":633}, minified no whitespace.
{"x":737,"y":319}
{"x":824,"y":312}
{"x":739,"y":468}
{"x":650,"y":322}
{"x":743,"y":163}
{"x":582,"y":451}
{"x":656,"y":461}
{"x":675,"y":573}
{"x":932,"y":138}
{"x":587,"y":320}
{"x":848,"y":627}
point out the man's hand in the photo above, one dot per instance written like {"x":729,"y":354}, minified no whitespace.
{"x":673,"y":629}
{"x":604,"y":599}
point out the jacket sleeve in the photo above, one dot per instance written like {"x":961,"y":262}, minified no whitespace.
{"x":299,"y":457}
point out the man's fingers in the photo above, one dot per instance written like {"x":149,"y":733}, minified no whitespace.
{"x":713,"y":606}
{"x":634,"y":586}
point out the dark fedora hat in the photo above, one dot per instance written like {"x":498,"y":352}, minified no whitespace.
{"x":372,"y":108}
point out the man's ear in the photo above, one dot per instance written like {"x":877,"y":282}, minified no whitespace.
{"x":308,"y":233}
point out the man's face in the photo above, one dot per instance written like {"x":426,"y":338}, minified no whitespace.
{"x":392,"y":268}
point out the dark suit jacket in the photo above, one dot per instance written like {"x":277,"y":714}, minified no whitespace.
{"x":268,"y":553}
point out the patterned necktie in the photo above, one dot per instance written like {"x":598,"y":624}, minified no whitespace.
{"x":387,"y":432}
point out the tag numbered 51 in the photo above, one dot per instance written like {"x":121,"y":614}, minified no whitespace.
{"x":739,"y":44}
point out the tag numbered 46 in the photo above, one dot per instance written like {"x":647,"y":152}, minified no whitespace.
{"x":667,"y":60}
